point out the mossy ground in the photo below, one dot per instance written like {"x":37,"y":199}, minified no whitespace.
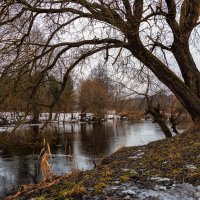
{"x":176,"y":158}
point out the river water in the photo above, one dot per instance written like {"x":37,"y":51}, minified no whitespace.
{"x":76,"y":146}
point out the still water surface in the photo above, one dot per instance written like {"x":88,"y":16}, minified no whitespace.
{"x":84,"y":142}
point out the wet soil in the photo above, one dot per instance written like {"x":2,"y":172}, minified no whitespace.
{"x":165,"y":169}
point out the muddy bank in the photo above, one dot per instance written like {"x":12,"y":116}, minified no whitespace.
{"x":165,"y":169}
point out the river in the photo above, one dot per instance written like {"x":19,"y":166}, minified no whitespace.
{"x":76,"y":146}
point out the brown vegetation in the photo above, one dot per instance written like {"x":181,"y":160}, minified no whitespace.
{"x":170,"y":158}
{"x":122,"y":26}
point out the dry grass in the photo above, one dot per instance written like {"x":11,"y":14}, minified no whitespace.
{"x":17,"y":138}
{"x":166,"y":158}
{"x":45,"y":166}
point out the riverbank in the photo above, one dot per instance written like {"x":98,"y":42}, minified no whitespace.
{"x":165,"y":169}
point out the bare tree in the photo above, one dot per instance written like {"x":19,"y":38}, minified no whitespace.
{"x":93,"y":97}
{"x":150,"y":31}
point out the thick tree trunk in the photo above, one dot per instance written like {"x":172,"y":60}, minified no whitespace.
{"x":187,"y":65}
{"x":159,"y":118}
{"x":164,"y":127}
{"x":187,"y":97}
{"x":35,"y":119}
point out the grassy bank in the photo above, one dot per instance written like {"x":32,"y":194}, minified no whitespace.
{"x":177,"y":159}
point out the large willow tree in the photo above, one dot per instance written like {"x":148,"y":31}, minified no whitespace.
{"x":154,"y":32}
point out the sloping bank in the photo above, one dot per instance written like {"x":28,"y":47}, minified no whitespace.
{"x":166,"y":169}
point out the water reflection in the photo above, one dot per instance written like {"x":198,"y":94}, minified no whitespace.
{"x":74,"y":146}
{"x":103,"y":134}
